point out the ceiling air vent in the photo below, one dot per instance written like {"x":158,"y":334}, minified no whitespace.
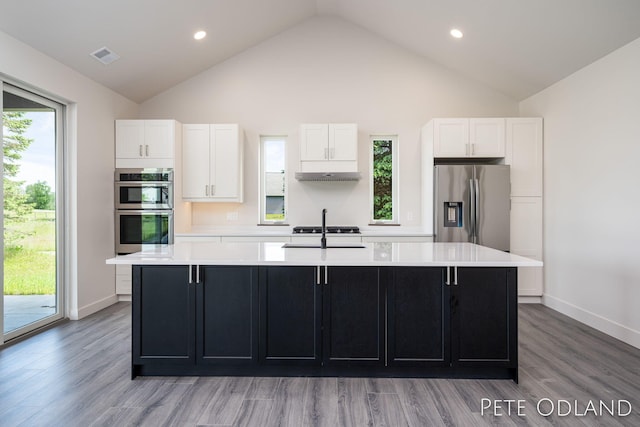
{"x":105,"y":55}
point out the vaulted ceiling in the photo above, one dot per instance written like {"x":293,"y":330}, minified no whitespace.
{"x":518,"y":47}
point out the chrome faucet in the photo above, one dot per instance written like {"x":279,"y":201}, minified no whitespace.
{"x":323,"y":240}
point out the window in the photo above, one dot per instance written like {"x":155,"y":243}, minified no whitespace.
{"x":384,"y":180}
{"x":273,"y":180}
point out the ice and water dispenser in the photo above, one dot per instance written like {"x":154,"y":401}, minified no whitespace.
{"x":452,"y":214}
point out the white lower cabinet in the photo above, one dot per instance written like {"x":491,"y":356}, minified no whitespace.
{"x":526,"y":240}
{"x":392,"y":239}
{"x":123,"y":279}
{"x":315,"y":238}
{"x":240,"y":239}
{"x":204,"y":239}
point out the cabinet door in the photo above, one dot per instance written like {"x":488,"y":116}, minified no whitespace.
{"x":526,"y":240}
{"x":353,"y":321}
{"x":450,"y":137}
{"x":524,"y":154}
{"x":290,"y":316}
{"x":227,"y":315}
{"x":343,"y":141}
{"x":195,"y":161}
{"x":487,"y":137}
{"x":225,"y":162}
{"x":130,"y":139}
{"x":159,"y":137}
{"x":314,"y":142}
{"x":163,"y":319}
{"x":484,"y":318}
{"x":417,"y":317}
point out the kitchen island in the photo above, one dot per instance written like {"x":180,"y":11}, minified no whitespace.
{"x":387,"y":309}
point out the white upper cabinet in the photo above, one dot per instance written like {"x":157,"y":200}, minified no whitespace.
{"x":212,"y":163}
{"x":524,"y":154}
{"x":139,"y":143}
{"x":314,"y":142}
{"x":195,"y":161}
{"x":463,"y":137}
{"x":450,"y":137}
{"x":329,"y":147}
{"x":343,"y":141}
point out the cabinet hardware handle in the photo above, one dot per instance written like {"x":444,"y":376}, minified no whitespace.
{"x":213,"y":189}
{"x":473,"y":149}
{"x":448,"y":282}
{"x":190,"y":274}
{"x":332,"y":153}
{"x":206,"y":190}
{"x":317,"y":275}
{"x":326,"y":153}
{"x":197,"y":274}
{"x":146,"y":148}
{"x":140,"y":150}
{"x":326,"y":275}
{"x":455,"y":275}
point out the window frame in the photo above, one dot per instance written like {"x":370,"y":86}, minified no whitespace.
{"x":262,"y":220}
{"x":395,"y":186}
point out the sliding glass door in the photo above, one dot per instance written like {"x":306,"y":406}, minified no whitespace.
{"x":32,"y":194}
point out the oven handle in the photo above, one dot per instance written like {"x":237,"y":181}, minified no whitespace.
{"x":162,"y":212}
{"x":144,"y":183}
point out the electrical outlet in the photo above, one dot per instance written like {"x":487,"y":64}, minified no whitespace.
{"x":409,"y":216}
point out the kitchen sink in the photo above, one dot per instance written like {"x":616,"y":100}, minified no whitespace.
{"x":313,"y":245}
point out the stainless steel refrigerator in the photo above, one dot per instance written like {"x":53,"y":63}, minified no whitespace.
{"x":472,"y":204}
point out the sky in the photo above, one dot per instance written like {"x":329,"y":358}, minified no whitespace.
{"x":38,"y":161}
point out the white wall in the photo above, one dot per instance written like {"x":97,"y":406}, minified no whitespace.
{"x":325,"y":70}
{"x":93,"y":109}
{"x":592,"y":193}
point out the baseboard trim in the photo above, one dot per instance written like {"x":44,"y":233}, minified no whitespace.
{"x":608,"y":326}
{"x":529,"y":300}
{"x":94,"y":307}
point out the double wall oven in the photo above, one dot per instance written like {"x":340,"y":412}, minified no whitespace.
{"x":144,"y":209}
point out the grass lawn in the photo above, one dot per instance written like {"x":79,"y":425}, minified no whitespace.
{"x":31,"y":269}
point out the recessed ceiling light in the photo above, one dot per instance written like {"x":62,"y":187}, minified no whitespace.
{"x":199,"y":35}
{"x":456,"y":33}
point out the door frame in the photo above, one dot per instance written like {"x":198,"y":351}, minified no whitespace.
{"x":62,"y":254}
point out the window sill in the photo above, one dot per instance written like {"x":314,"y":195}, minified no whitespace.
{"x":384,"y":224}
{"x":274,"y":224}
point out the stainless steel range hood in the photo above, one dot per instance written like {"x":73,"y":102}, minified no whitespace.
{"x":328,"y":176}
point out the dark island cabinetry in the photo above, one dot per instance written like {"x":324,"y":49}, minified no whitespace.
{"x":484,"y":321}
{"x":290,"y":321}
{"x":325,"y":321}
{"x":163,"y":315}
{"x":418,"y":313}
{"x":227,"y":311}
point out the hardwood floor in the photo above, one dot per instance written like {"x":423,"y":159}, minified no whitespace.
{"x":77,"y":374}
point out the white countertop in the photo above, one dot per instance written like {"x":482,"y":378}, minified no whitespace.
{"x":286,"y":230}
{"x":373,"y":254}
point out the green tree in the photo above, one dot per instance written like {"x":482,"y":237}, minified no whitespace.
{"x":16,"y":207}
{"x":40,"y":195}
{"x":382,"y":180}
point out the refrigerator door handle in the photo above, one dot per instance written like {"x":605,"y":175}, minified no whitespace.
{"x":476,"y":209}
{"x":472,"y":211}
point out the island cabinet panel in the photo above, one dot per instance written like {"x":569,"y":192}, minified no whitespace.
{"x":227,"y":315}
{"x":163,"y":315}
{"x":290,"y":315}
{"x":484,"y":317}
{"x":417,"y":317}
{"x":402,"y":321}
{"x":353,"y":316}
